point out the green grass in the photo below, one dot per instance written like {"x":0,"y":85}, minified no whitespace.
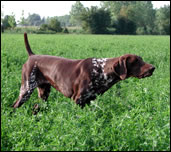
{"x":133,"y":115}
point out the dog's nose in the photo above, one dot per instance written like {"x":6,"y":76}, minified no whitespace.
{"x":152,"y":68}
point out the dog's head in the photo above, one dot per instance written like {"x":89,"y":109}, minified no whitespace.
{"x":132,"y":66}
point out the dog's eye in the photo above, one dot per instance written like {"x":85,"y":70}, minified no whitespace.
{"x":135,"y":62}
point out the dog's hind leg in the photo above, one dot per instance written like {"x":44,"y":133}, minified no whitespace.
{"x":29,"y":83}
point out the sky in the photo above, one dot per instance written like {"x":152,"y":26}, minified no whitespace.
{"x":50,"y":8}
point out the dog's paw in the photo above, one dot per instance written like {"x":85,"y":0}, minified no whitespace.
{"x":36,"y":109}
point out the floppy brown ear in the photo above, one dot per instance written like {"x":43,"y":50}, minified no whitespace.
{"x":120,"y":68}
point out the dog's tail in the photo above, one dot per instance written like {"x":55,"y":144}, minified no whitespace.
{"x":27,"y":45}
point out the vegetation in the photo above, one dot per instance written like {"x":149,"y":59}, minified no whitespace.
{"x":54,"y":25}
{"x":95,"y":20}
{"x":163,"y":20}
{"x":113,"y":17}
{"x":134,"y":115}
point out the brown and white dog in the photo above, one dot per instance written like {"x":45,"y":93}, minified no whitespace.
{"x":82,"y":80}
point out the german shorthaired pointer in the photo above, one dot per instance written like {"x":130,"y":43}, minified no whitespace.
{"x":82,"y":80}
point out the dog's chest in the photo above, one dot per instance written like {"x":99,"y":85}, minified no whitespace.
{"x":100,"y":81}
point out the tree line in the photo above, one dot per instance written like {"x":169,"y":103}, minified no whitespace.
{"x":113,"y":17}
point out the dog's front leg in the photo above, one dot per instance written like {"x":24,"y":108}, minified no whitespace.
{"x":43,"y":91}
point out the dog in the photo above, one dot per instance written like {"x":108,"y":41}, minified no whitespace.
{"x":81,"y":80}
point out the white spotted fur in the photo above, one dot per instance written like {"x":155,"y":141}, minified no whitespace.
{"x":101,"y":79}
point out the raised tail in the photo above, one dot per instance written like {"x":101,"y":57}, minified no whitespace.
{"x":27,"y":45}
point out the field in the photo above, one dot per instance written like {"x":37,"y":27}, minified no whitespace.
{"x":133,"y":115}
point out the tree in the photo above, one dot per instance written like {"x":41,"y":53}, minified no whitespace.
{"x":22,"y":19}
{"x":44,"y":27}
{"x":76,"y":11}
{"x":125,"y":26}
{"x":2,"y":13}
{"x":5,"y":22}
{"x":9,"y":22}
{"x":95,"y":20}
{"x":144,"y":16}
{"x":141,"y":13}
{"x":34,"y":19}
{"x":54,"y":25}
{"x":64,"y":20}
{"x":65,"y":30}
{"x":115,"y":6}
{"x":163,"y":20}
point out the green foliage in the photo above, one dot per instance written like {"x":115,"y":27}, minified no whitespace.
{"x":22,"y":19}
{"x":9,"y":21}
{"x":95,"y":20}
{"x":34,"y":19}
{"x":5,"y":22}
{"x":65,"y":30}
{"x":112,"y":17}
{"x":76,"y":30}
{"x":76,"y":12}
{"x":141,"y":14}
{"x":64,"y":20}
{"x":54,"y":25}
{"x":44,"y":27}
{"x":163,"y":20}
{"x":134,"y":115}
{"x":125,"y":26}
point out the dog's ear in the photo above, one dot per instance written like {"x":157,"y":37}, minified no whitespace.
{"x":120,"y":68}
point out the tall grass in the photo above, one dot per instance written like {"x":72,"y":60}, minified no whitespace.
{"x":132,"y":115}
